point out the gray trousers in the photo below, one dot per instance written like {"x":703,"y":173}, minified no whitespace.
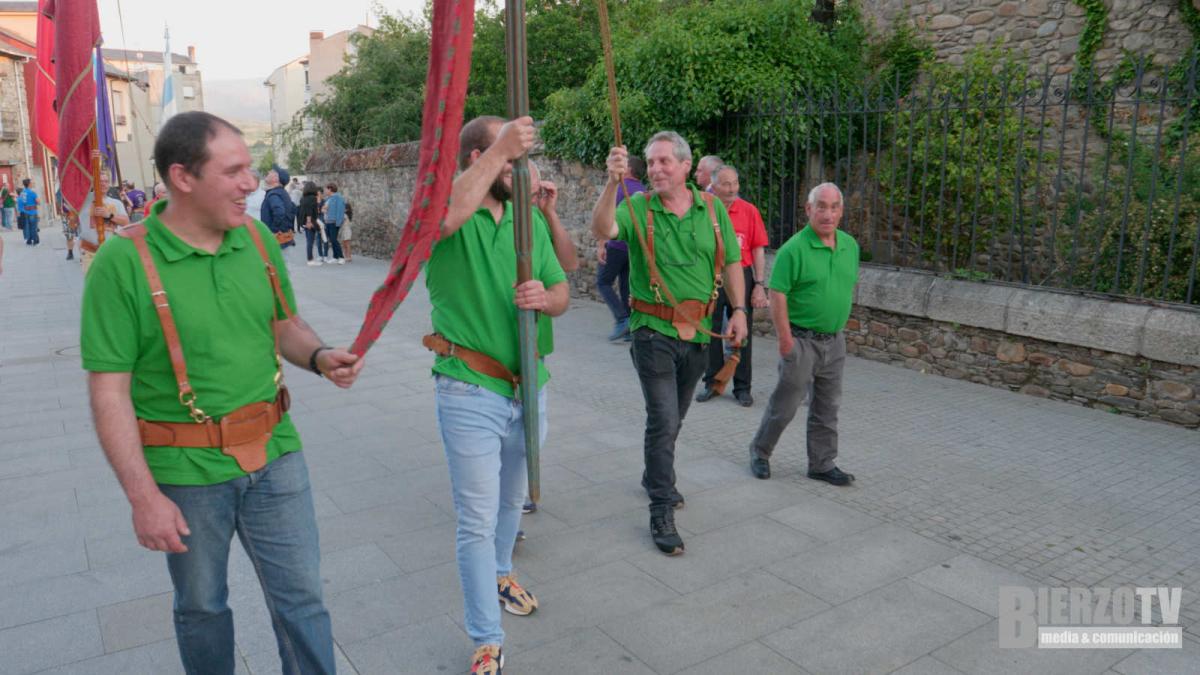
{"x":815,"y":365}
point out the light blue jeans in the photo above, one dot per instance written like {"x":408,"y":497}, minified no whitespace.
{"x":271,"y":510}
{"x":7,"y":217}
{"x":484,"y":437}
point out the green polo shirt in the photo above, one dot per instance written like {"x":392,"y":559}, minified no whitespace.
{"x":684,"y":249}
{"x":817,"y":280}
{"x":222,"y":304}
{"x":471,"y":277}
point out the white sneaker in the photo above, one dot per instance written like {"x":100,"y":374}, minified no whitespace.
{"x":314,"y":263}
{"x":341,"y":261}
{"x":329,"y":259}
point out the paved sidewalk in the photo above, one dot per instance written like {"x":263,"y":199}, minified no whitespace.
{"x":961,"y":489}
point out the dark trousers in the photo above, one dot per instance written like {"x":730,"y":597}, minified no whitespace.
{"x":813,"y":370}
{"x":668,"y":370}
{"x":331,"y":230}
{"x":716,"y":348}
{"x":616,"y":269}
{"x":309,"y":237}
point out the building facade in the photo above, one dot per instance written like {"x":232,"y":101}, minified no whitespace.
{"x":296,"y":83}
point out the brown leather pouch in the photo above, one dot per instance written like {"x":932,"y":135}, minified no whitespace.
{"x":688,"y":313}
{"x":245,"y":433}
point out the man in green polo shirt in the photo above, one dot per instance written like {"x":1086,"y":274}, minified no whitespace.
{"x":669,"y":362}
{"x":189,"y":501}
{"x":812,"y":288}
{"x":472,"y":281}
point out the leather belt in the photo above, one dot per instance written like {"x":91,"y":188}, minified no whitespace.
{"x":672,"y":314}
{"x":253,"y":420}
{"x":477,"y":361}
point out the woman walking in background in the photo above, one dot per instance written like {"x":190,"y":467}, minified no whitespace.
{"x":308,"y":217}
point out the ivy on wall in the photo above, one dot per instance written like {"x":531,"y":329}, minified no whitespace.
{"x":1094,"y":27}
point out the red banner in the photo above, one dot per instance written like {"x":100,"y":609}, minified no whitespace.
{"x":45,"y":116}
{"x":446,"y":91}
{"x":76,"y":35}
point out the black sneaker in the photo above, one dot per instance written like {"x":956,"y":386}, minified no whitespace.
{"x":662,"y":530}
{"x":761,"y":468}
{"x":70,"y":255}
{"x":834,"y":476}
{"x":529,"y":507}
{"x":705,"y":395}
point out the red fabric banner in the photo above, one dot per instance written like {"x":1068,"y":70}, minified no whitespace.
{"x":446,"y":91}
{"x":76,"y":35}
{"x":45,"y":117}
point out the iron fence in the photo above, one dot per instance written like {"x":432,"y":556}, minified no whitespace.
{"x":997,"y":174}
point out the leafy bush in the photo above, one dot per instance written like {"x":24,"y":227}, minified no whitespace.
{"x":688,"y":69}
{"x":955,"y":188}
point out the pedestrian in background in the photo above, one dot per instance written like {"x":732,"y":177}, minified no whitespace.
{"x":28,"y":202}
{"x":334,"y":211}
{"x":308,"y":218}
{"x":345,"y":234}
{"x":614,"y":261}
{"x":8,"y":204}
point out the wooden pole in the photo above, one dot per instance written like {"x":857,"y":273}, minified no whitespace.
{"x":97,"y":198}
{"x":518,"y":106}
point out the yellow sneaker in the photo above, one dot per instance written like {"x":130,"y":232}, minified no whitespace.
{"x":487,"y":660}
{"x":516,"y":600}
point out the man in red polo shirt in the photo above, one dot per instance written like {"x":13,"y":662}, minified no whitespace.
{"x":752,"y":237}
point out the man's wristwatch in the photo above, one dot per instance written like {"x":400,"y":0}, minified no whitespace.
{"x":312,"y":360}
{"x":739,"y":307}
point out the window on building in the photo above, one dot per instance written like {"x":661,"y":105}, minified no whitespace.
{"x":189,"y":92}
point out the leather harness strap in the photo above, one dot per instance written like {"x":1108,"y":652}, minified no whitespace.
{"x":691,"y":312}
{"x":244,"y":423}
{"x":477,"y":361}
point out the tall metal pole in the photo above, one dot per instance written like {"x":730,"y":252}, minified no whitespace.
{"x":518,"y":106}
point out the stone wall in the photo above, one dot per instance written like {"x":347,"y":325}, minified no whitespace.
{"x":379,"y":182}
{"x":1048,"y":30}
{"x":1138,"y":360}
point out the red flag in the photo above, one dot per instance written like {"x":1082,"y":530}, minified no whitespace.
{"x":45,"y":116}
{"x":446,"y":91}
{"x":76,"y":35}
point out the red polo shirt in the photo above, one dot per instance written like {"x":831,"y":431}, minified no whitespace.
{"x":749,"y":228}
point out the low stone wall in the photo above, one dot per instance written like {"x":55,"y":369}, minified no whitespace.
{"x":1131,"y":359}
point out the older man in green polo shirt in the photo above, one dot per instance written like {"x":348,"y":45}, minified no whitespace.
{"x":690,"y":241}
{"x":188,"y":405}
{"x":812,"y":288}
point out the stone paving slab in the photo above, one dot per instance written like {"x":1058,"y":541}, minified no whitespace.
{"x":961,"y":489}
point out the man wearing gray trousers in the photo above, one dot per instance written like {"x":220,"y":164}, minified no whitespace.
{"x":812,"y":288}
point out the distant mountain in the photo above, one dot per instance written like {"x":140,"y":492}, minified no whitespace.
{"x":238,"y":100}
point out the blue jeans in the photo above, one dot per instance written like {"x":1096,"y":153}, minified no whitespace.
{"x":331,"y":230}
{"x":271,"y":510}
{"x":6,"y":218}
{"x":31,"y":229}
{"x":484,"y":437}
{"x":313,"y":235}
{"x":615,"y":269}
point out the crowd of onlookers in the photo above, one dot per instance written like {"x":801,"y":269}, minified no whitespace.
{"x":291,"y":207}
{"x":288,"y":206}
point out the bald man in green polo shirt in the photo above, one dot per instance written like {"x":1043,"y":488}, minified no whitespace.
{"x":812,"y":288}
